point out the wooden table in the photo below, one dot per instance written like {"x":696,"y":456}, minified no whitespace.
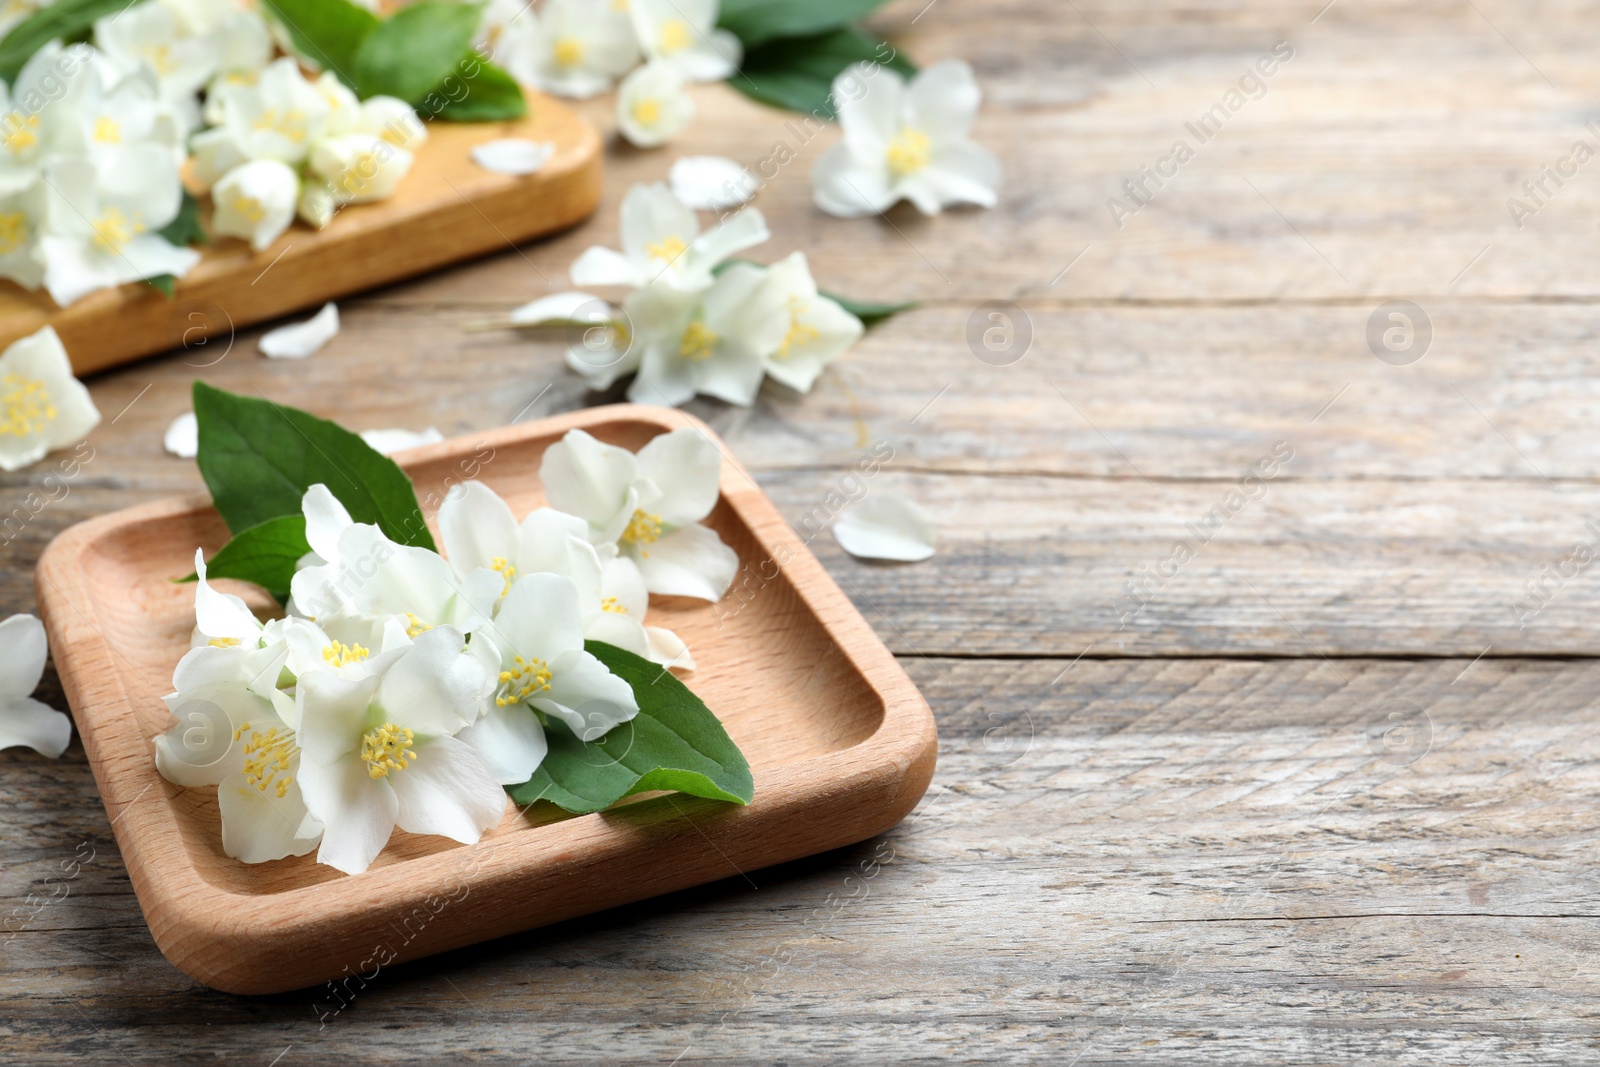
{"x":1323,"y":787}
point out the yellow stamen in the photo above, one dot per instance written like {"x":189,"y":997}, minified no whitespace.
{"x":114,"y":230}
{"x":667,"y":249}
{"x":522,"y":680}
{"x":25,"y":407}
{"x":290,"y":123}
{"x":643,"y":529}
{"x":800,"y":333}
{"x":13,"y":232}
{"x":338,"y":655}
{"x":908,"y":152}
{"x":386,"y":749}
{"x":415,"y":627}
{"x":568,"y":51}
{"x":248,"y":208}
{"x":268,"y":757}
{"x":506,"y":570}
{"x":160,"y":57}
{"x":675,"y":36}
{"x":107,"y":130}
{"x":21,"y":131}
{"x":697,"y":343}
{"x":647,"y":112}
{"x":612,"y":605}
{"x":223,"y":642}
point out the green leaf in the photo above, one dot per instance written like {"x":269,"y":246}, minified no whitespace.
{"x":797,"y":73}
{"x":165,"y":284}
{"x":264,"y":554}
{"x":185,"y":229}
{"x":414,"y":50}
{"x":675,"y":742}
{"x":756,"y":22}
{"x":328,"y":32}
{"x":492,"y":95}
{"x":259,"y":458}
{"x":62,"y":21}
{"x":869,"y":313}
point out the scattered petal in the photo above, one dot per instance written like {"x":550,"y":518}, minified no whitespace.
{"x":562,"y":308}
{"x":391,"y":441}
{"x":183,"y":436}
{"x":23,"y":720}
{"x":886,"y":526}
{"x":302,"y":339}
{"x":513,"y":155}
{"x":712,"y":183}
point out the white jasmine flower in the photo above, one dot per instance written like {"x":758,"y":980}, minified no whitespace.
{"x":710,"y":345}
{"x":298,"y":340}
{"x":256,"y":201}
{"x":113,"y":110}
{"x":24,"y":720}
{"x":37,"y":115}
{"x":803,"y":330}
{"x":375,"y":578}
{"x":885,"y":526}
{"x":282,"y":116}
{"x":683,"y":34}
{"x":378,"y":751}
{"x":232,"y":735}
{"x":662,"y":242}
{"x":22,"y":216}
{"x":345,"y":113}
{"x":649,"y":505}
{"x":105,"y":218}
{"x":153,"y":35}
{"x":711,"y":183}
{"x":182,"y":438}
{"x":240,"y":41}
{"x":213,"y":153}
{"x":505,"y":36}
{"x":478,"y":530}
{"x":574,"y":48}
{"x":42,"y":406}
{"x":318,"y":202}
{"x":360,"y":167}
{"x":538,"y":635}
{"x":513,"y":155}
{"x":390,"y":441}
{"x":392,"y":120}
{"x":905,"y":142}
{"x":653,"y":105}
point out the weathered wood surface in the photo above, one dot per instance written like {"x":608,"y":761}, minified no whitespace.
{"x":1192,"y":844}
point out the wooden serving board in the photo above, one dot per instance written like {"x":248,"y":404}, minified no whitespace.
{"x":447,"y":209}
{"x":840,"y":742}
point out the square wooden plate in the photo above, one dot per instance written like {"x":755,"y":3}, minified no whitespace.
{"x":446,"y":210}
{"x":840,"y":742}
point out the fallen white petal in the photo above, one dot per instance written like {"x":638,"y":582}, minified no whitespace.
{"x":886,"y":526}
{"x":301,"y":339}
{"x":389,"y":441}
{"x":712,"y":183}
{"x":513,"y":155}
{"x":562,"y":308}
{"x":183,"y":436}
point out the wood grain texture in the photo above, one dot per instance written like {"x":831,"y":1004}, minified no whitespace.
{"x":447,"y":209}
{"x":1195,"y":782}
{"x":839,"y":742}
{"x":1167,"y":862}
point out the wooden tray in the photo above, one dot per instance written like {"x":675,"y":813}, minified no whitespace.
{"x":446,"y":210}
{"x":840,"y":742}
